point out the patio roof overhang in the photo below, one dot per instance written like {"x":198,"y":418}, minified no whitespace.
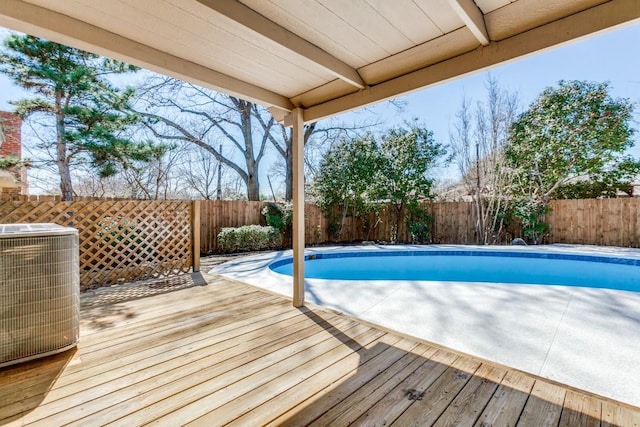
{"x":310,"y":59}
{"x":324,"y":56}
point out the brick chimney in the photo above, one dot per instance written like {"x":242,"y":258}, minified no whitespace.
{"x":11,"y":145}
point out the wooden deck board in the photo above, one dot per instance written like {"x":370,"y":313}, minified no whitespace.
{"x":176,"y":375}
{"x":229,"y":353}
{"x":427,"y":408}
{"x":617,"y":415}
{"x":390,"y":405}
{"x":354,"y":405}
{"x":322,"y":369}
{"x":333,"y":385}
{"x":197,"y":357}
{"x":581,"y":410}
{"x":506,"y":405}
{"x":544,"y":406}
{"x":473,"y":398}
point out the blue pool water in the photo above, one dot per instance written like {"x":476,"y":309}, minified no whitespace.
{"x":540,"y":268}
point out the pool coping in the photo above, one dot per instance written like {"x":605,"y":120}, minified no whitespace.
{"x":583,"y":337}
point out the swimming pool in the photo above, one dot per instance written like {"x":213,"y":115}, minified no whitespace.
{"x":489,"y":266}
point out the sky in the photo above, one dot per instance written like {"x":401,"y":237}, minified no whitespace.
{"x":611,"y":56}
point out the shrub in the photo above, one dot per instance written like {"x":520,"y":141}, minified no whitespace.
{"x":531,"y":214}
{"x":249,"y":238}
{"x":279,"y":216}
{"x":419,"y":222}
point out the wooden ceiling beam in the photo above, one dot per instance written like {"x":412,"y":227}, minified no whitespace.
{"x":595,"y":19}
{"x":472,"y":17}
{"x":249,"y":18}
{"x":41,"y":22}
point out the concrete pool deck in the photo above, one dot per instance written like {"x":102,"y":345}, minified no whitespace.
{"x":588,"y":338}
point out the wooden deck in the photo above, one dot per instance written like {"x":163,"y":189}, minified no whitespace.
{"x":228,"y":353}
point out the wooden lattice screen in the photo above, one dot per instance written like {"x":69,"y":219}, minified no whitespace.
{"x":119,"y":240}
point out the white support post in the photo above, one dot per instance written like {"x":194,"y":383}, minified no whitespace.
{"x":298,"y":206}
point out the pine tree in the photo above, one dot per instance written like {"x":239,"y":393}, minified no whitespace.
{"x":85,"y":110}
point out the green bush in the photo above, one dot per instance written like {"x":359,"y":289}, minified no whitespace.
{"x":419,"y":222}
{"x":531,"y":214}
{"x":249,"y":238}
{"x":279,"y":216}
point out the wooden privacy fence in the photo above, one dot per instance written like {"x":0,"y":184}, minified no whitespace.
{"x":217,"y":214}
{"x":453,"y":223}
{"x":608,"y":222}
{"x":120,"y":240}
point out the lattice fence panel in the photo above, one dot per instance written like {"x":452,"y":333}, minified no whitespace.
{"x":119,"y":240}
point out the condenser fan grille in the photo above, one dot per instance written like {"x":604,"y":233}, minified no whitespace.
{"x":39,"y":291}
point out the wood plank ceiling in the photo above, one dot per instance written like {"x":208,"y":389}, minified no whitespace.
{"x":326,"y":56}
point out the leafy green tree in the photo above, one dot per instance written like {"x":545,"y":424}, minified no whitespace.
{"x":346,"y":177}
{"x":77,"y":101}
{"x":361,"y":174}
{"x":409,"y":155}
{"x":573,"y":132}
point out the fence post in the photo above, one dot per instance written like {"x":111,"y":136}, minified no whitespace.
{"x":195,"y":234}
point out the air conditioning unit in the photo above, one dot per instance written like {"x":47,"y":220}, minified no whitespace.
{"x":39,"y":291}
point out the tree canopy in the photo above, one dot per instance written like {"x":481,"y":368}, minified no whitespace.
{"x":347,"y":174}
{"x":82,"y":109}
{"x":409,"y":155}
{"x":361,"y":173}
{"x":233,"y":131}
{"x":573,"y":132}
{"x":570,"y":143}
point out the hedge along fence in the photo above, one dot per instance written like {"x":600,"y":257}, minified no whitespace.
{"x":608,"y":222}
{"x":249,"y":238}
{"x":453,"y":222}
{"x":121,"y":241}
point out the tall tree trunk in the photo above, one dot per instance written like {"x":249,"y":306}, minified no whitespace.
{"x":253,"y":186}
{"x":66,"y":188}
{"x":399,"y":208}
{"x":308,"y":131}
{"x":252,"y":180}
